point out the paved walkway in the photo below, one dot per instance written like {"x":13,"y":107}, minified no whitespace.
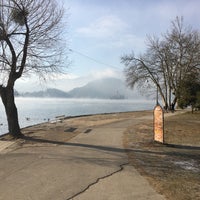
{"x":91,"y":166}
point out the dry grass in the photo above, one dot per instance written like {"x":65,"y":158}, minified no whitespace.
{"x":174,"y":168}
{"x":184,"y":129}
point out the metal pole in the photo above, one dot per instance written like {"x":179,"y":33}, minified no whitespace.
{"x":157,"y":96}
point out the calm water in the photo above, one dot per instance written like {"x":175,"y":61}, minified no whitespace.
{"x":39,"y":110}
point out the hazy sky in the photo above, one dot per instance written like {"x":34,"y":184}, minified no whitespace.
{"x":104,"y":30}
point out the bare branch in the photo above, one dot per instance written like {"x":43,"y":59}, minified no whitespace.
{"x":167,"y":61}
{"x":30,"y":35}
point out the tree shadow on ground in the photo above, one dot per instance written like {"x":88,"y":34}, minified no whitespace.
{"x":170,"y":149}
{"x":103,"y":148}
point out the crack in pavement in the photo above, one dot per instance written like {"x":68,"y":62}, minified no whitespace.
{"x":98,"y":179}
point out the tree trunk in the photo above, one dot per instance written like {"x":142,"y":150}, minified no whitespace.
{"x":170,"y":99}
{"x":7,"y":95}
{"x":164,"y":101}
{"x":166,"y":107}
{"x":192,"y":109}
{"x":173,"y":104}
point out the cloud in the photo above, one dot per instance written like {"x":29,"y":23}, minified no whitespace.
{"x":106,"y":73}
{"x":113,"y":33}
{"x":65,"y":82}
{"x":78,"y":81}
{"x":59,"y":76}
{"x":103,"y":27}
{"x":125,"y":42}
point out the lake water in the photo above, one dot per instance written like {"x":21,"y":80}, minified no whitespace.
{"x":38,"y":110}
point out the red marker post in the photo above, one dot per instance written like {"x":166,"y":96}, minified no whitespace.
{"x":158,"y":124}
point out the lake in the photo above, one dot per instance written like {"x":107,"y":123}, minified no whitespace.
{"x":37,"y":110}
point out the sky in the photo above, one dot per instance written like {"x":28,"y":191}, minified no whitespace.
{"x":99,"y":32}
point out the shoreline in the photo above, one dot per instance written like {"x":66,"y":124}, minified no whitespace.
{"x":36,"y":111}
{"x":167,"y":114}
{"x":75,"y":117}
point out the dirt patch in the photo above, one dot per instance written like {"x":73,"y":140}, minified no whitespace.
{"x":174,"y":168}
{"x":101,"y":119}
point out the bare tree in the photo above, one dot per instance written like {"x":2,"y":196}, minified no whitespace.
{"x":166,"y":63}
{"x":30,"y":33}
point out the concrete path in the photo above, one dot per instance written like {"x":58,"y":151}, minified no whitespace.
{"x":91,"y":166}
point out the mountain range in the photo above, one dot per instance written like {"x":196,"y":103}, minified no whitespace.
{"x":107,"y":88}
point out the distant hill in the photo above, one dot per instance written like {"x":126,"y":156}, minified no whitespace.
{"x":107,"y":88}
{"x":104,"y":88}
{"x":51,"y":92}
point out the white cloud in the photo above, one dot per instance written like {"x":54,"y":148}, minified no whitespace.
{"x":108,"y":72}
{"x":59,"y":76}
{"x":112,"y":32}
{"x":65,"y":82}
{"x":125,"y":42}
{"x":103,"y":27}
{"x":33,"y":83}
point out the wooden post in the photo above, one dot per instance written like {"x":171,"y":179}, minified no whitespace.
{"x":158,"y":124}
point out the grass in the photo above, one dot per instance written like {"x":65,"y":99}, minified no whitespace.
{"x":173,"y":168}
{"x":183,"y":129}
